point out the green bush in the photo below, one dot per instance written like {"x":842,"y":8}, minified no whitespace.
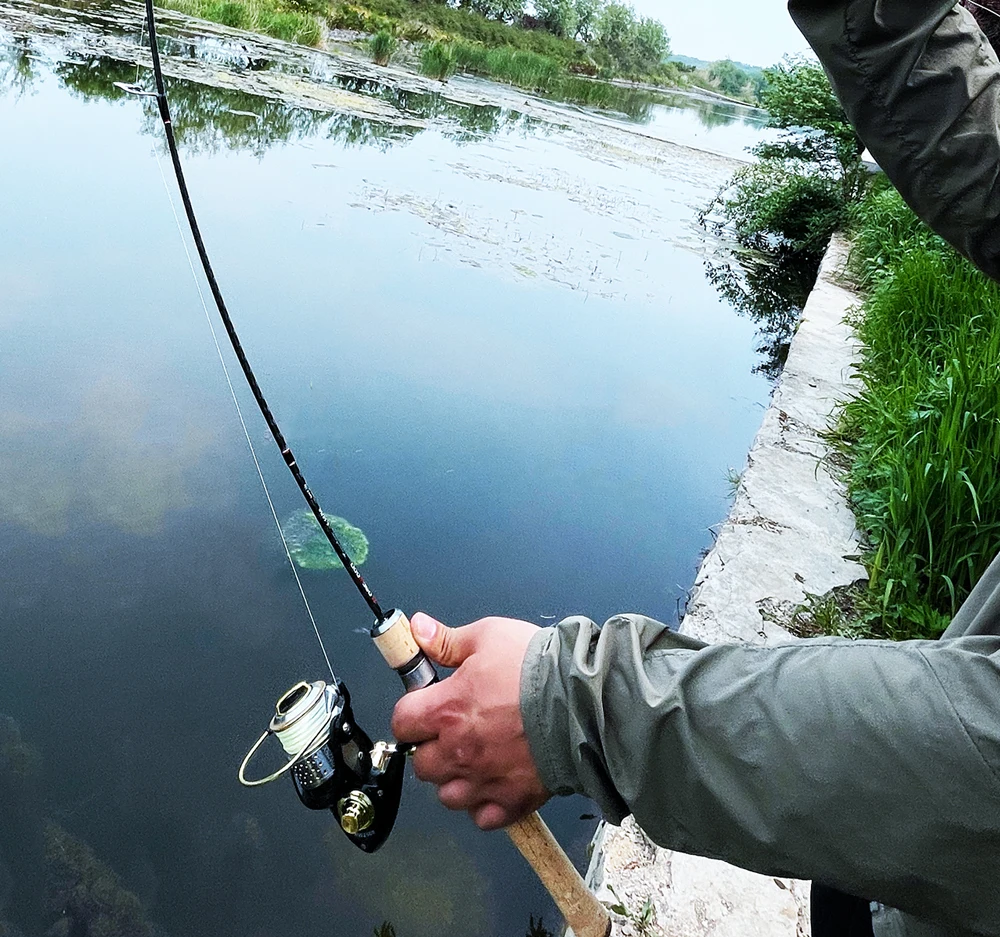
{"x":348,"y":16}
{"x":773,"y":206}
{"x":437,"y":60}
{"x":315,"y":7}
{"x":731,"y":79}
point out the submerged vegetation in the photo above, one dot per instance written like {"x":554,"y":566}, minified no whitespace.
{"x":309,"y":547}
{"x":923,"y":437}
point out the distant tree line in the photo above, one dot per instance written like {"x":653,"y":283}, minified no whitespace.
{"x":737,"y":81}
{"x":618,"y":40}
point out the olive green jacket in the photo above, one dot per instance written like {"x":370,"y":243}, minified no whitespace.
{"x":873,"y":767}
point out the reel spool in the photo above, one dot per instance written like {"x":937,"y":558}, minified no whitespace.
{"x":333,"y":763}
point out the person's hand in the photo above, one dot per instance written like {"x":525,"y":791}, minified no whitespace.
{"x":471,"y":741}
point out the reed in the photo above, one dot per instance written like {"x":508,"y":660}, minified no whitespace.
{"x":923,"y":437}
{"x":383,"y":46}
{"x":437,"y":60}
{"x":514,"y":66}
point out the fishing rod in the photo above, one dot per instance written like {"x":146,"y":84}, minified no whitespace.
{"x":333,"y":763}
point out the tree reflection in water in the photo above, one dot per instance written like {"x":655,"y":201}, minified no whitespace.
{"x":209,"y":119}
{"x":770,"y":288}
{"x":17,"y":69}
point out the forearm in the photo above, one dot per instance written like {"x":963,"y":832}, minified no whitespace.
{"x":921,"y":85}
{"x":847,"y":762}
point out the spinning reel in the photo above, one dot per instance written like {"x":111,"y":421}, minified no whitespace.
{"x":333,"y":763}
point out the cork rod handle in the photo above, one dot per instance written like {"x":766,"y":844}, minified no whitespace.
{"x":584,"y":914}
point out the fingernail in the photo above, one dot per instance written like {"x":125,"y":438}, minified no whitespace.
{"x":423,"y":627}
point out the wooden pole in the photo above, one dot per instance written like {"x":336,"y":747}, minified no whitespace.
{"x":584,"y":914}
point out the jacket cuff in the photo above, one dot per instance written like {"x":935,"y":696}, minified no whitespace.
{"x":544,"y":713}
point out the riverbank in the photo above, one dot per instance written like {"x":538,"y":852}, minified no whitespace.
{"x":499,"y":41}
{"x":790,"y":534}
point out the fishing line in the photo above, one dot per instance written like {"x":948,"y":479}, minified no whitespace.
{"x":239,"y":413}
{"x":337,"y":767}
{"x":284,"y":448}
{"x":979,"y":6}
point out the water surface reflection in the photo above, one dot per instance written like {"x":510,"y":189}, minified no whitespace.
{"x":486,"y":330}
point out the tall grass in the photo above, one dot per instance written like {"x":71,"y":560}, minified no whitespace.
{"x":437,"y":60}
{"x":514,"y":66}
{"x":924,"y":435}
{"x":270,"y":17}
{"x":383,"y":46}
{"x":536,"y":72}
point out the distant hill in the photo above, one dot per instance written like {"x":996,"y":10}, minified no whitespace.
{"x":701,"y":63}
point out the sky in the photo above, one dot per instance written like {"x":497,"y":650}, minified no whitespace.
{"x":757,"y":32}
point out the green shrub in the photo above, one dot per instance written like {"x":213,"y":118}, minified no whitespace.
{"x":315,"y":7}
{"x":382,"y":46}
{"x":437,"y":60}
{"x":348,"y":16}
{"x":771,"y":205}
{"x":359,"y":19}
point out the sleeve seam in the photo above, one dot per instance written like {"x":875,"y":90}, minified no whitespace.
{"x":954,"y":709}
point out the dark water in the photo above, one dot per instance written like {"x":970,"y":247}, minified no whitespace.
{"x":493,"y":347}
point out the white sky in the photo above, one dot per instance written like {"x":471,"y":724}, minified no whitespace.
{"x":758,"y":32}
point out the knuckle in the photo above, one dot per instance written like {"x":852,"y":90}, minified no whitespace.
{"x":446,"y":649}
{"x":453,"y":797}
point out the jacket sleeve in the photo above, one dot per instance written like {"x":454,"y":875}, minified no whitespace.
{"x":870,"y":766}
{"x":921,"y":85}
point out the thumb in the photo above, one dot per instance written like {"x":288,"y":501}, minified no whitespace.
{"x":443,"y":645}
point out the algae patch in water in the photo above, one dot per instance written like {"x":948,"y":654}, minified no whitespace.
{"x":309,"y":547}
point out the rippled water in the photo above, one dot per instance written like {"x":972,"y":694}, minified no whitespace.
{"x":482,"y":321}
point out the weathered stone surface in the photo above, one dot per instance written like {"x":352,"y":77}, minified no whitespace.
{"x":790,"y":532}
{"x":790,"y":528}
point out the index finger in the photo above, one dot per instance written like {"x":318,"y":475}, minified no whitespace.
{"x":415,"y":717}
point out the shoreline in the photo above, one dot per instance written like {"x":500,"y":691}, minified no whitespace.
{"x":789,"y":533}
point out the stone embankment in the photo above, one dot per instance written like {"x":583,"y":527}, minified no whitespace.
{"x":790,"y":532}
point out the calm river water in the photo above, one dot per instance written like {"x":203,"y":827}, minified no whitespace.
{"x":486,"y":331}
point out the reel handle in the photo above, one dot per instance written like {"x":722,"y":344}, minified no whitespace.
{"x":584,"y":914}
